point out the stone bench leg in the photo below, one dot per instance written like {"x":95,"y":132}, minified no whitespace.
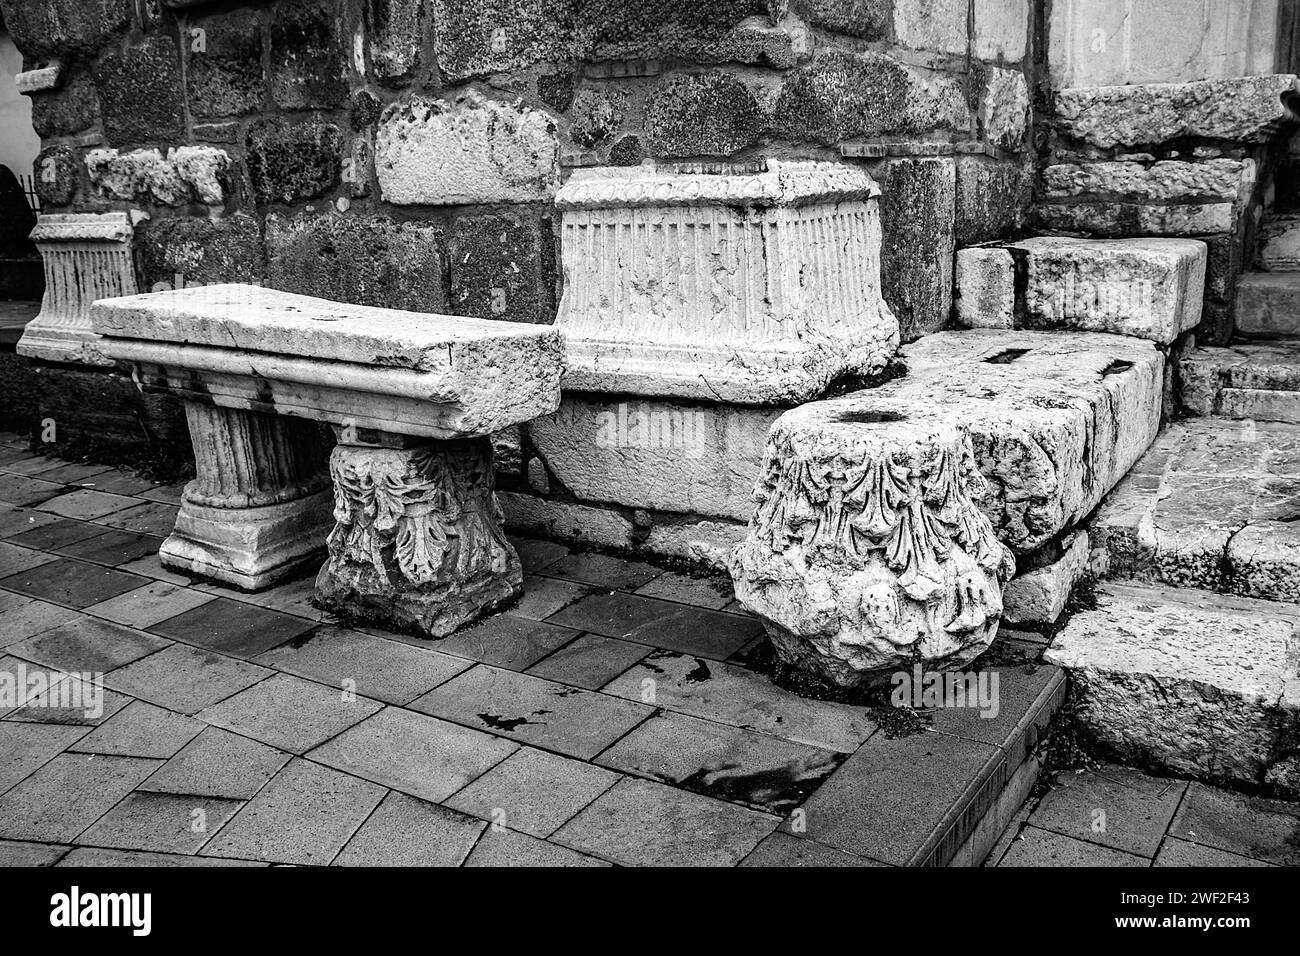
{"x":260,"y":504}
{"x":418,"y":542}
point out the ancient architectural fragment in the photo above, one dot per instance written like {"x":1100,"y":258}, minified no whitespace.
{"x":87,"y":256}
{"x":866,"y":551}
{"x":412,"y":397}
{"x":186,"y":174}
{"x":737,"y":287}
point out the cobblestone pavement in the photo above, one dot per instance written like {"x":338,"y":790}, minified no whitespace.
{"x":611,"y":716}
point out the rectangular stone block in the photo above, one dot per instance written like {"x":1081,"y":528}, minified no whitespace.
{"x":985,"y":288}
{"x":1038,"y":595}
{"x":1120,"y":219}
{"x":1221,"y":180}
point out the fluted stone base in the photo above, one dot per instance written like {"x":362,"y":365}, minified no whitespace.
{"x":418,"y":542}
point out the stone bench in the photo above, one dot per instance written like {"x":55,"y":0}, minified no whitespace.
{"x":416,"y":537}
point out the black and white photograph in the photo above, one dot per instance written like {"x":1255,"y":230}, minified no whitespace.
{"x":638,"y":434}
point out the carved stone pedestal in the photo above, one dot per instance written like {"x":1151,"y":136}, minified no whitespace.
{"x":260,"y":505}
{"x":866,"y":553}
{"x":418,"y":541}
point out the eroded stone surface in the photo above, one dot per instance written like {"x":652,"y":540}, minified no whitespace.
{"x":1039,"y":595}
{"x":1224,"y":180}
{"x":186,"y":174}
{"x":1279,"y":244}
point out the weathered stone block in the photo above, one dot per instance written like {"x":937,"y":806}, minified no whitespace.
{"x":725,"y":31}
{"x":177,"y":253}
{"x":364,"y":260}
{"x":1001,"y":30}
{"x":186,"y":174}
{"x":57,"y":174}
{"x":503,"y":267}
{"x":64,"y":27}
{"x":985,"y":288}
{"x":1279,"y":244}
{"x":68,"y":110}
{"x":1121,"y":219}
{"x":704,"y":114}
{"x":288,"y":162}
{"x":225,"y":78}
{"x":396,"y":30}
{"x":477,"y":37}
{"x":140,"y":92}
{"x":1004,"y":107}
{"x":470,"y":150}
{"x":308,"y":55}
{"x":935,"y":25}
{"x":1039,"y":594}
{"x":992,"y":198}
{"x":597,"y":115}
{"x":868,"y":19}
{"x":1213,"y":180}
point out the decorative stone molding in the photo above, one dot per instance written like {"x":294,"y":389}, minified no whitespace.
{"x":752,"y":288}
{"x":866,"y":552}
{"x":87,"y":256}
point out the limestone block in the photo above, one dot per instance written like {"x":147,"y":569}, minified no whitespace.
{"x":1245,"y":108}
{"x":866,"y":552}
{"x":411,"y":373}
{"x":39,"y":80}
{"x":936,"y":25}
{"x":1148,"y":288}
{"x":469,"y":150}
{"x":747,"y":288}
{"x":186,"y":174}
{"x":1123,"y":219}
{"x":1001,"y":30}
{"x":1004,"y":107}
{"x":991,"y":200}
{"x":87,"y":256}
{"x":1038,"y":596}
{"x":1279,"y":244}
{"x":1168,"y":180}
{"x":1265,"y":556}
{"x":1196,"y":683}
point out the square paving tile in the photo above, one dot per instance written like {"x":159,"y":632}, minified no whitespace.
{"x":542,"y":596}
{"x":733,"y":695}
{"x":305,"y":815}
{"x":725,"y":762}
{"x":21,"y":490}
{"x":507,"y":641}
{"x":1020,"y":707}
{"x":93,"y":856}
{"x":232,"y":627}
{"x":591,"y":661}
{"x":141,"y":730}
{"x":88,"y":645}
{"x":55,"y":533}
{"x":371,"y":666}
{"x":405,"y":831}
{"x":27,"y":616}
{"x":25,"y":748}
{"x":72,"y":700}
{"x":603,"y":570}
{"x":1037,"y":847}
{"x":676,"y":627}
{"x":28,"y":681}
{"x":161,"y":822}
{"x":1256,"y":827}
{"x":87,"y":504}
{"x":640,"y":823}
{"x":503,"y":847}
{"x":14,"y":558}
{"x":149,"y":605}
{"x":782,"y":850}
{"x":152,"y":567}
{"x":292,"y":597}
{"x":68,"y":794}
{"x":20,"y":520}
{"x":73,"y":473}
{"x":118,"y":482}
{"x":1114,"y":806}
{"x":535,"y":553}
{"x":73,"y":583}
{"x":712,"y":592}
{"x":171,"y":494}
{"x":17,"y":853}
{"x":113,"y":547}
{"x":185,"y":679}
{"x":33,"y":464}
{"x":289,"y":713}
{"x":872,"y":807}
{"x":218,"y":763}
{"x":533,"y":791}
{"x":553,"y":716}
{"x":1175,"y":852}
{"x":419,"y":755}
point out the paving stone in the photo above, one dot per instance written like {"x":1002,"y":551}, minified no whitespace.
{"x":21,"y":490}
{"x":17,"y":853}
{"x":168,"y":494}
{"x":733,"y":695}
{"x":17,"y":520}
{"x":536,"y":554}
{"x":502,"y":848}
{"x":1114,"y":806}
{"x":533,"y":791}
{"x":414,"y":753}
{"x":711,"y":592}
{"x":156,"y":517}
{"x":591,"y":661}
{"x":305,"y":815}
{"x":724,"y":762}
{"x":56,"y":532}
{"x":375,"y":667}
{"x":664,"y":624}
{"x":28,"y":681}
{"x":71,"y":700}
{"x":34,"y":465}
{"x":1026,"y":698}
{"x":149,"y":605}
{"x":543,"y":596}
{"x":72,"y":473}
{"x":291,"y":597}
{"x":1256,"y":827}
{"x":73,"y":583}
{"x":553,"y":716}
{"x":232,"y":627}
{"x":290,"y":713}
{"x":151,"y":567}
{"x":102,"y":857}
{"x":782,"y":850}
{"x":602,"y":570}
{"x":948,"y":780}
{"x":140,"y":730}
{"x":25,"y":748}
{"x":86,"y":504}
{"x":68,"y":794}
{"x":1174,"y":852}
{"x":218,"y":763}
{"x":1044,"y":848}
{"x":160,"y":822}
{"x":185,"y":679}
{"x":119,"y":482}
{"x":21,"y":620}
{"x":639,"y":823}
{"x":15,"y":559}
{"x":88,"y":645}
{"x":405,"y":831}
{"x":506,"y":641}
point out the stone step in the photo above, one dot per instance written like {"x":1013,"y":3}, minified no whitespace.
{"x":1215,"y":505}
{"x":1268,"y":304}
{"x":1278,"y":248}
{"x":1256,"y":380}
{"x":1190,"y":681}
